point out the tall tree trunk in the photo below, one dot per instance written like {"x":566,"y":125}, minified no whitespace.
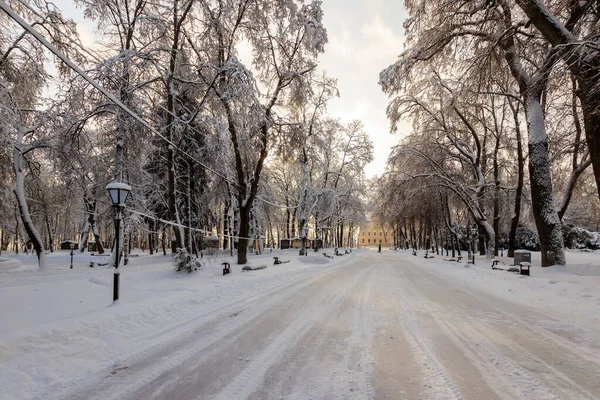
{"x":95,"y":231}
{"x":303,"y":204}
{"x":126,"y":238}
{"x":163,"y":240}
{"x":546,"y":218}
{"x":32,"y":232}
{"x":482,"y":240}
{"x":288,"y":217}
{"x":151,"y":228}
{"x":496,"y":196}
{"x":226,"y":225}
{"x":590,"y":104}
{"x":294,"y":215}
{"x":243,"y":233}
{"x":50,"y":235}
{"x":514,"y":222}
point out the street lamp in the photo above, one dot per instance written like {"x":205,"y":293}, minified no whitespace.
{"x":72,"y":247}
{"x":118,"y":193}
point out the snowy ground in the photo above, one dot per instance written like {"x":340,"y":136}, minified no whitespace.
{"x":362,"y":326}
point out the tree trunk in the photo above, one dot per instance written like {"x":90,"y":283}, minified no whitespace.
{"x":225,"y":225}
{"x":126,"y":239}
{"x":288,"y":217}
{"x":85,"y":232}
{"x":243,"y":234}
{"x":32,"y":232}
{"x":50,"y":235}
{"x":496,"y":196}
{"x":97,"y":237}
{"x":514,"y":222}
{"x":546,"y":218}
{"x":590,"y":105}
{"x":151,"y":228}
{"x":163,"y":240}
{"x":482,"y":239}
{"x":303,"y":204}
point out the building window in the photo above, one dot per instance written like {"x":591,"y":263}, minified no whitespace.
{"x":369,"y":241}
{"x":380,"y":233}
{"x":363,"y":241}
{"x":369,"y":233}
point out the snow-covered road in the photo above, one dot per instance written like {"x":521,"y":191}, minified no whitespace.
{"x":380,"y":326}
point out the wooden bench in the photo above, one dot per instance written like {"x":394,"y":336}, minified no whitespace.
{"x":93,"y":264}
{"x":524,"y":268}
{"x":226,"y":268}
{"x":249,"y":268}
{"x":278,"y":261}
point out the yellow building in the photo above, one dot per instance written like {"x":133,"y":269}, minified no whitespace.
{"x":376,"y":233}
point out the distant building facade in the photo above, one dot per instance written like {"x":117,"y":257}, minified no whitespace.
{"x":373,"y":234}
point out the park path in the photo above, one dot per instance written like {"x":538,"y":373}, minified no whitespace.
{"x":376,"y":327}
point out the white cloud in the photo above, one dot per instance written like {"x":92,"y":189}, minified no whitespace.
{"x":364,"y":38}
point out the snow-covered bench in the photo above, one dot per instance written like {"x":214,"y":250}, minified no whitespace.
{"x":226,"y":268}
{"x":8,"y":263}
{"x":249,"y":268}
{"x":524,"y":268}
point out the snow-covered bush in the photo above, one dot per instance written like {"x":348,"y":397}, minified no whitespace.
{"x":184,"y":261}
{"x":579,"y":238}
{"x":527,"y":238}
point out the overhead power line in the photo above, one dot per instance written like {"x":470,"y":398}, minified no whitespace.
{"x":112,"y":98}
{"x":96,"y":85}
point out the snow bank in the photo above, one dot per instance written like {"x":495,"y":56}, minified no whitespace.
{"x":7,"y":263}
{"x":60,"y":325}
{"x":572,"y":290}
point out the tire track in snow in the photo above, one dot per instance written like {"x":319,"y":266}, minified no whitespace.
{"x":209,"y":326}
{"x":546,"y":372}
{"x":331,"y":359}
{"x":500,"y":371}
{"x":366,"y":324}
{"x":536,"y":346}
{"x":494,"y":333}
{"x":248,"y":381}
{"x":441,"y":382}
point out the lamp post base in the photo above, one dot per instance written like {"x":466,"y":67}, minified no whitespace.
{"x":116,"y":287}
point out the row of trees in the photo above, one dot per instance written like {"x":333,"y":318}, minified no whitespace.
{"x":477,"y":80}
{"x":206,"y":142}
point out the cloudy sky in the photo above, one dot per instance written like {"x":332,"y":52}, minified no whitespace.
{"x":365,"y":36}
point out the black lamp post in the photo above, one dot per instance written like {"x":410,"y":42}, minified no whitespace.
{"x":118,"y":196}
{"x":72,"y":247}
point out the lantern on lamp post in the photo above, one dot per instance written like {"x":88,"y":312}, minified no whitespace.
{"x":118,"y":192}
